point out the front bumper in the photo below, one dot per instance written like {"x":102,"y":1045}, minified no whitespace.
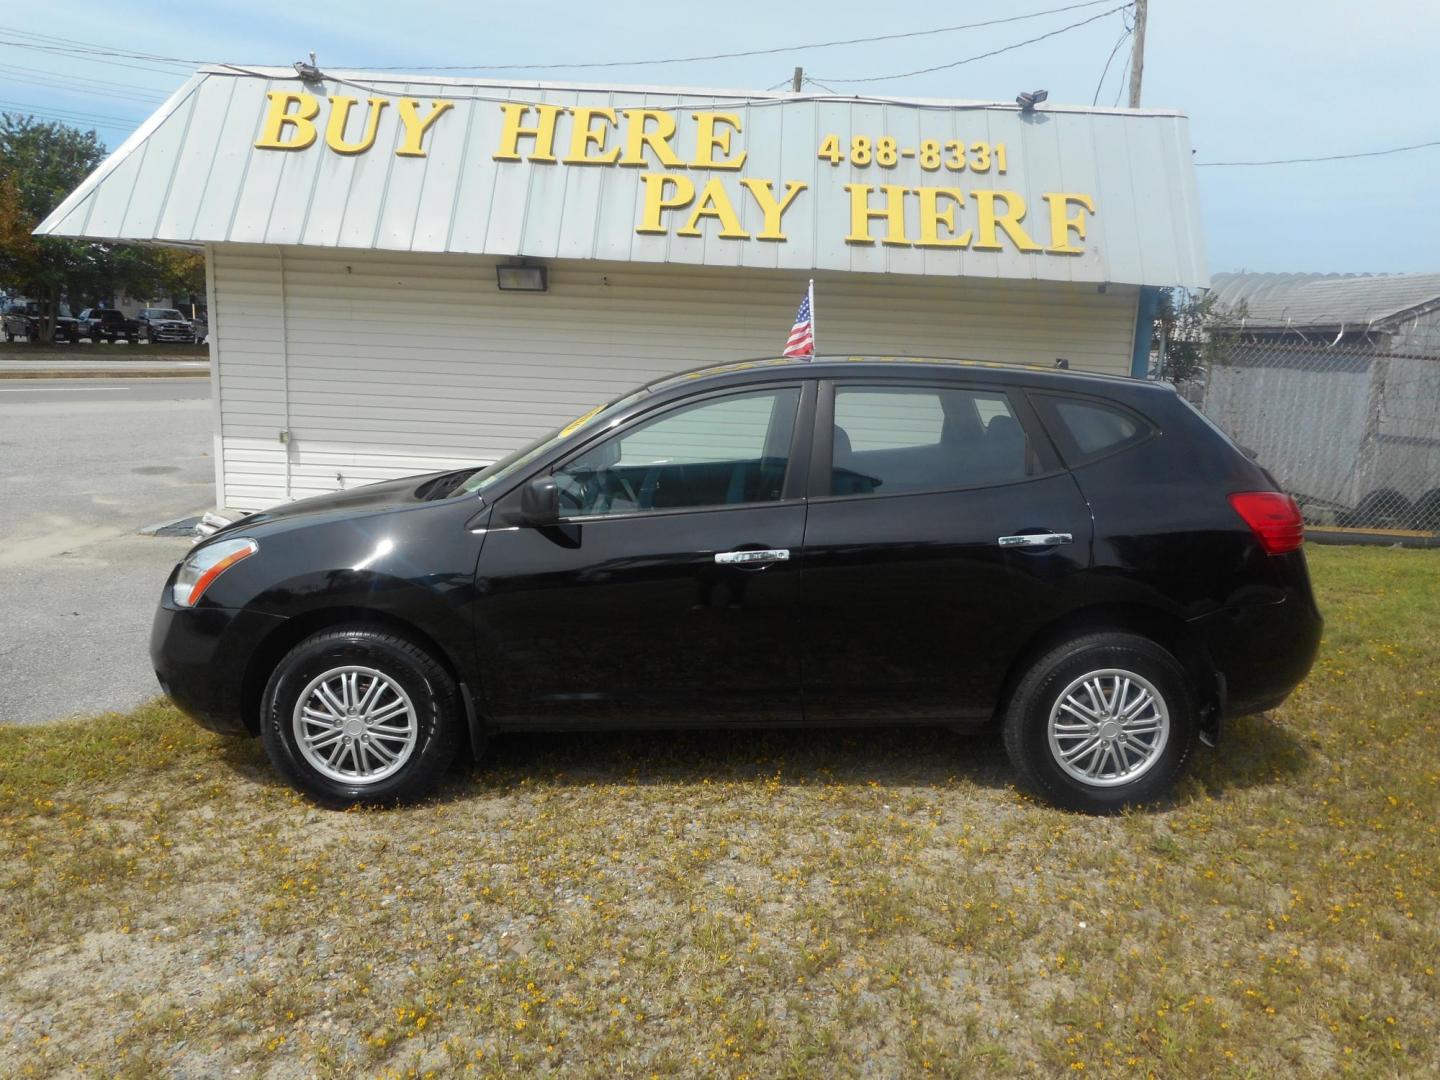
{"x":201,"y":656}
{"x":168,"y":333}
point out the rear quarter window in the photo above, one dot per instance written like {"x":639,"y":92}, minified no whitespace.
{"x":1088,"y":428}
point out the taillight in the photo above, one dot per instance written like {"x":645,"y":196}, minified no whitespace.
{"x":1273,"y":517}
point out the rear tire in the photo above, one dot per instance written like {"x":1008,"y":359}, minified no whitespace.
{"x":1426,"y":517}
{"x":1384,"y":508}
{"x":360,"y":715}
{"x":1101,"y":752}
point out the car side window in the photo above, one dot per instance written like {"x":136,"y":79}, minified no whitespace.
{"x":1086,"y":428}
{"x":1095,"y":427}
{"x":895,"y":439}
{"x":725,"y":451}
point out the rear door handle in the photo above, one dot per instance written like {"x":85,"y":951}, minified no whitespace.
{"x":752,"y":558}
{"x":1035,"y":540}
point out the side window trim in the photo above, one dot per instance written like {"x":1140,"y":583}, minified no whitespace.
{"x":822,"y":444}
{"x":793,"y":487}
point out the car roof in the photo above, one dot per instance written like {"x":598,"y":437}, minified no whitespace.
{"x":828,"y":367}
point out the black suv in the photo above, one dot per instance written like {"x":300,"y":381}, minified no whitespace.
{"x":1082,"y":560}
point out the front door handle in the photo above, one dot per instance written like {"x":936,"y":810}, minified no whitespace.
{"x":1035,"y":540}
{"x":752,"y":558}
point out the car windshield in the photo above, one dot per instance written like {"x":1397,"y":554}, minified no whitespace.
{"x":163,"y":313}
{"x":507,"y":466}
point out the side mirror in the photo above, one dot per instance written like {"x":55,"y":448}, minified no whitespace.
{"x":540,"y":502}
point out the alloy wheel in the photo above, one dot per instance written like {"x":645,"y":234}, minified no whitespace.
{"x":355,"y":725}
{"x":1108,"y":727}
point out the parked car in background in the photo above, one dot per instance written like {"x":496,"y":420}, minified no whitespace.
{"x":107,"y":324}
{"x":165,"y":324}
{"x":22,"y":321}
{"x":1083,"y":561}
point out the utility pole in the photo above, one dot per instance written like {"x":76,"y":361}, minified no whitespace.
{"x":797,"y":79}
{"x":1137,"y":57}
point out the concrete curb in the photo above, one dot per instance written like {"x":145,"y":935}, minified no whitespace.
{"x":1373,"y":538}
{"x":109,"y":373}
{"x":184,"y":526}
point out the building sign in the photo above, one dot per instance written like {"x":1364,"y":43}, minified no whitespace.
{"x":931,"y":215}
{"x":655,"y":175}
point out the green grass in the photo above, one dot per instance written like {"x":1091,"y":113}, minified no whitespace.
{"x":766,"y":905}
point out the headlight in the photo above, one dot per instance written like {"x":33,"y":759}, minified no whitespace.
{"x":202,"y":567}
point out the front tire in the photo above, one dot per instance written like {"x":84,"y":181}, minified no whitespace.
{"x":360,"y":715}
{"x":1101,"y":723}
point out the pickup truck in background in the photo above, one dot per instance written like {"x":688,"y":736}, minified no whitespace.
{"x":107,"y":324}
{"x":166,"y":324}
{"x":22,"y":320}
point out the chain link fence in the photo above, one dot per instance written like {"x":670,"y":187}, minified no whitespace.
{"x":1351,"y":428}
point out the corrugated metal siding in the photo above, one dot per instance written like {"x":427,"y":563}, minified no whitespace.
{"x":1323,"y":300}
{"x":402,"y":363}
{"x":196,"y":177}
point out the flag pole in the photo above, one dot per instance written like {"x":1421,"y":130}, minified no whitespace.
{"x":814,"y":325}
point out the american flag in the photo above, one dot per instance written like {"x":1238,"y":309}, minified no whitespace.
{"x":802,"y":335}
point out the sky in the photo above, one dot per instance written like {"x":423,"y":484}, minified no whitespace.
{"x":1259,"y":79}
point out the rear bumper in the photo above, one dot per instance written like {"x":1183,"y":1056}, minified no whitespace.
{"x":201,"y":656}
{"x":1261,"y":651}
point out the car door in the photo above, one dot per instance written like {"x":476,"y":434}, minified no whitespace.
{"x":667,"y":592}
{"x":940,"y":525}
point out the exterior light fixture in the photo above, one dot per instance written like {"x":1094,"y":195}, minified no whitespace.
{"x":310,"y":72}
{"x":522,"y":278}
{"x":1030,"y":98}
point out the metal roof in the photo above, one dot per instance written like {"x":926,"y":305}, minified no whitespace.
{"x":1325,"y":301}
{"x":192,"y":174}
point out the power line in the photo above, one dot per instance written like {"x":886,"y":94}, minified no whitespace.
{"x":69,"y":116}
{"x":49,"y":41}
{"x":735,"y":55}
{"x":1120,"y":90}
{"x":1108,"y":61}
{"x":101,"y":54}
{"x":1324,"y":157}
{"x":56,"y":50}
{"x":980,"y":56}
{"x":50,"y":73}
{"x":79,"y":87}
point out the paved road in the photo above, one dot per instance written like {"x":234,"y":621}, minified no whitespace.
{"x":102,"y":392}
{"x":83,"y":465}
{"x":118,"y":368}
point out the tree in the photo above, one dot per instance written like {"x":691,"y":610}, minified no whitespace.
{"x":1191,"y":333}
{"x":40,"y":164}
